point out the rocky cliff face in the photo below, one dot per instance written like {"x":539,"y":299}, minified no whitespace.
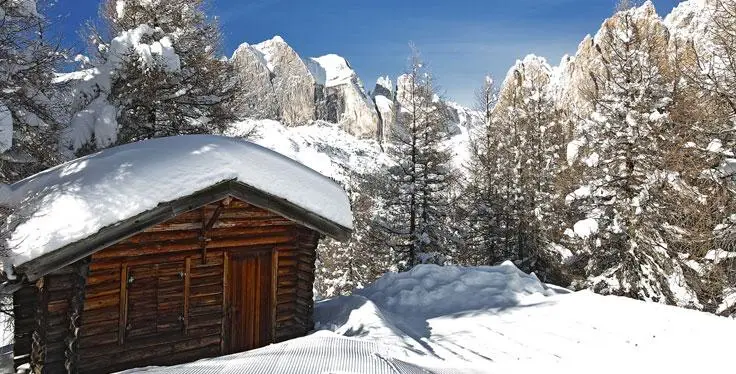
{"x":571,"y":85}
{"x":279,"y":84}
{"x":383,"y":96}
{"x":291,"y":80}
{"x":259,"y":99}
{"x":344,"y":100}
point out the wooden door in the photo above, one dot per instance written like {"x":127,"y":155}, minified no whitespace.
{"x":251,"y":290}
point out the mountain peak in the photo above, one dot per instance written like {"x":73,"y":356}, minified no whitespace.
{"x":385,"y":84}
{"x":336,"y":69}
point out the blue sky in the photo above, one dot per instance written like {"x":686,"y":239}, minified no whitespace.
{"x":461,"y":40}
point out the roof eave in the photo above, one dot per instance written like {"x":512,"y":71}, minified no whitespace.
{"x":107,"y":236}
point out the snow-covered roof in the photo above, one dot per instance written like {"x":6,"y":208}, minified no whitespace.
{"x":77,"y":199}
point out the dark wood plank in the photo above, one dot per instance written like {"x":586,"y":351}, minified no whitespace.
{"x":187,"y":283}
{"x":123,"y":303}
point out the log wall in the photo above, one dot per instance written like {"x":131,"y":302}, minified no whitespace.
{"x":24,"y":312}
{"x":158,"y":298}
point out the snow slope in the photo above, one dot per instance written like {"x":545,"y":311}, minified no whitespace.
{"x":323,"y":146}
{"x":484,"y":320}
{"x":118,"y":183}
{"x":329,"y":149}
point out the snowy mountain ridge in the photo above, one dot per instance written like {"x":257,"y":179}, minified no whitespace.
{"x":688,"y":20}
{"x":335,"y":70}
{"x":302,"y":90}
{"x":299,"y":90}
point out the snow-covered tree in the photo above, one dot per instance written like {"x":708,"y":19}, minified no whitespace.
{"x":345,"y":266}
{"x":158,"y":75}
{"x":704,"y":111}
{"x":515,"y":163}
{"x":481,"y":205}
{"x":28,"y":124}
{"x":417,"y":191}
{"x":626,"y":182}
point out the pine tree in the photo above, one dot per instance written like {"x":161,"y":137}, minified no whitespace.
{"x":418,"y":188}
{"x":158,"y":76}
{"x":28,"y":117}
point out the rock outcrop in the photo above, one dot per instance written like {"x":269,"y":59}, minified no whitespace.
{"x":278,"y":84}
{"x":293,"y":84}
{"x":383,"y":97}
{"x":259,"y":99}
{"x":344,"y":100}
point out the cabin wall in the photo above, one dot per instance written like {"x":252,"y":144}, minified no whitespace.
{"x":295,"y":299}
{"x":45,"y":319}
{"x":24,"y":318}
{"x":184,"y":318}
{"x":175,"y":307}
{"x":156,"y":332}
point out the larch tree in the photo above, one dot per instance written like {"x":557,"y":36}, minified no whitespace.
{"x":158,"y":74}
{"x":418,"y":188}
{"x":481,"y":204}
{"x":528,"y":140}
{"x":705,"y":111}
{"x":625,"y":178}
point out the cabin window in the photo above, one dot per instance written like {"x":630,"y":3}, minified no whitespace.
{"x":153,"y":299}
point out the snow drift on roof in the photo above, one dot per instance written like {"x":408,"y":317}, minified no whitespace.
{"x":74,"y":200}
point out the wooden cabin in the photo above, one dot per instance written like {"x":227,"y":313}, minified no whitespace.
{"x":227,"y":269}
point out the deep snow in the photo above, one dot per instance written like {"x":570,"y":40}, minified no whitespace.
{"x":323,"y":146}
{"x":484,"y":320}
{"x":118,"y":183}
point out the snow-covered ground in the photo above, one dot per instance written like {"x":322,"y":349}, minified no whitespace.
{"x":330,"y":150}
{"x":488,"y":319}
{"x":322,"y":146}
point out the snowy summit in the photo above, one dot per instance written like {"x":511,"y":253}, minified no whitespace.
{"x":76,"y":199}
